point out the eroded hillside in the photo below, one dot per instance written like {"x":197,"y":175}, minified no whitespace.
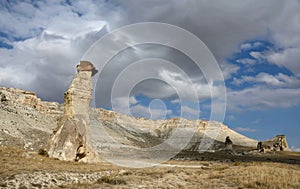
{"x":26,"y":121}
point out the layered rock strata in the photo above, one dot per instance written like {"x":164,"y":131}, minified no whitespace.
{"x":25,"y":120}
{"x":12,"y":97}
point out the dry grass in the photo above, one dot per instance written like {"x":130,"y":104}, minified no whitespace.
{"x":110,"y":180}
{"x":217,"y":175}
{"x":15,"y":161}
{"x":211,"y":175}
{"x":266,"y":175}
{"x":259,"y":175}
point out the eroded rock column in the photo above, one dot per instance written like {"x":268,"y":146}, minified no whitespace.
{"x":69,"y":141}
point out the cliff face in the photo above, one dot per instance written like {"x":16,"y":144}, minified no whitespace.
{"x":69,"y":140}
{"x":12,"y":97}
{"x":28,"y":122}
{"x":161,"y":130}
{"x":25,"y":120}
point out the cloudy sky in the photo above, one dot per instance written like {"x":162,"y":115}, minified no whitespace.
{"x":256,"y":44}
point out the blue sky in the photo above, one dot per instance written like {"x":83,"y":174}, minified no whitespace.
{"x":256,"y":44}
{"x":258,"y":71}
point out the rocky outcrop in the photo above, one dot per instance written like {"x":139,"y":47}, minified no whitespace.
{"x":25,"y":120}
{"x":16,"y":97}
{"x":28,"y":122}
{"x":121,"y":126}
{"x":69,"y":140}
{"x":278,"y":143}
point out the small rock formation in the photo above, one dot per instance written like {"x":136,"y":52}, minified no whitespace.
{"x":69,"y":141}
{"x":3,"y":97}
{"x":228,"y":143}
{"x":278,"y":143}
{"x":260,"y":147}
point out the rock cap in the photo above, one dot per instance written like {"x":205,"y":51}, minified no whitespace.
{"x":86,"y":66}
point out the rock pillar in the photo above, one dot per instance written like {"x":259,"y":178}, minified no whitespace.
{"x":69,"y":141}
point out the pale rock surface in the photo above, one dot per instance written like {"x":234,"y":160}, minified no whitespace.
{"x":25,"y":120}
{"x":23,"y":123}
{"x":278,"y":143}
{"x":139,"y":132}
{"x":69,"y":141}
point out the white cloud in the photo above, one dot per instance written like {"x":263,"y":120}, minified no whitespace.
{"x":246,"y":46}
{"x":150,"y":112}
{"x":289,"y":58}
{"x":287,"y":38}
{"x":279,"y":80}
{"x":68,"y":30}
{"x":245,"y":129}
{"x":28,"y":18}
{"x":123,"y":104}
{"x":57,"y":34}
{"x":210,"y":22}
{"x":257,"y":44}
{"x":228,"y":69}
{"x":237,"y":82}
{"x":262,"y":98}
{"x":249,"y":46}
{"x":190,"y":113}
{"x":295,"y":149}
{"x":44,"y":64}
{"x":197,"y":90}
{"x":246,"y":61}
{"x":257,"y":55}
{"x":175,"y":101}
{"x":131,"y":106}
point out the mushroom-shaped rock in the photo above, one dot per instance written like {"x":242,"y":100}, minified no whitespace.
{"x":69,"y":140}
